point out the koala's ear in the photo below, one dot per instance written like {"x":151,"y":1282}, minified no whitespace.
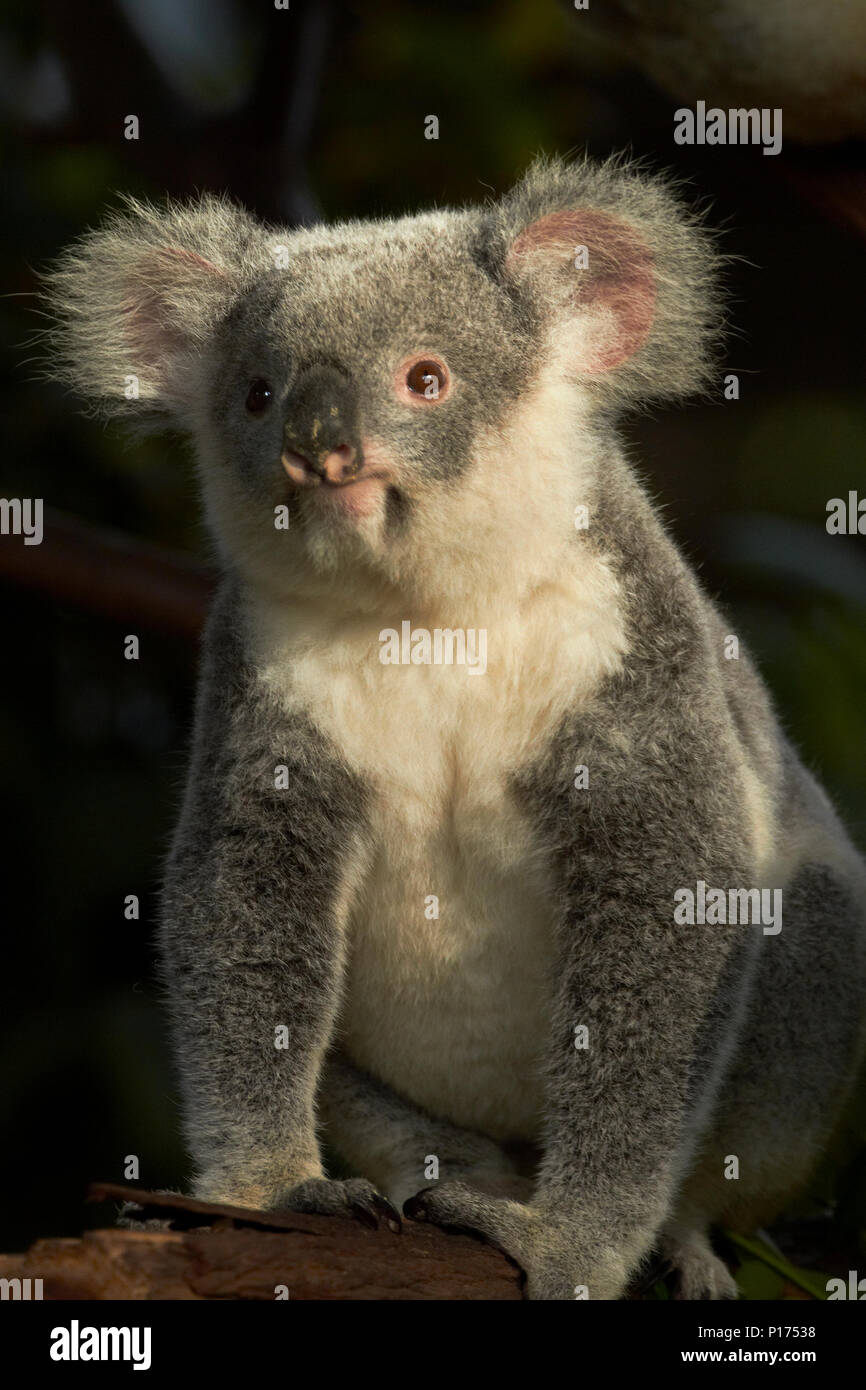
{"x":134,"y":302}
{"x":623,"y":275}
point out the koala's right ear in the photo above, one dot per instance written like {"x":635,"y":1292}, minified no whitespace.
{"x":134,"y":301}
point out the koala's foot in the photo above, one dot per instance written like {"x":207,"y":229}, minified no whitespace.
{"x":333,"y":1197}
{"x":378,"y":1132}
{"x":495,"y":1179}
{"x":456,"y":1206}
{"x":698,"y":1271}
{"x":550,"y":1248}
{"x":318,"y":1196}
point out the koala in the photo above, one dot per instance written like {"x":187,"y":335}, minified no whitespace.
{"x":427,"y":915}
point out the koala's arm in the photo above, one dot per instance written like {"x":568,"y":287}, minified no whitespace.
{"x":250,"y":935}
{"x":661,"y":1001}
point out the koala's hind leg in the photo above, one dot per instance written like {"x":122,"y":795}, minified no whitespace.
{"x":785,"y":1092}
{"x":392,"y":1143}
{"x":797,"y":1060}
{"x":699,"y":1272}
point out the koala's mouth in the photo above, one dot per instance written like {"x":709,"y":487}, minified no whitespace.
{"x":335,"y":483}
{"x":345,"y":489}
{"x":363,"y":496}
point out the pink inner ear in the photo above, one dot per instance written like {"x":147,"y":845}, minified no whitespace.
{"x":619,"y":275}
{"x":156,"y":288}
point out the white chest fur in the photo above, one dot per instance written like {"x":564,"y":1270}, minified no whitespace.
{"x":450,"y":920}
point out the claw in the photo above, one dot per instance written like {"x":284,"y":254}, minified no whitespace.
{"x":364,"y":1215}
{"x":390,"y":1213}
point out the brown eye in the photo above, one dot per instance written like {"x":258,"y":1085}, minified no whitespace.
{"x":427,"y":378}
{"x":259,"y":397}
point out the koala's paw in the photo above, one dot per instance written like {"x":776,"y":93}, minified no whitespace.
{"x":333,"y":1197}
{"x":546,"y":1245}
{"x":707,"y":1278}
{"x":458,"y":1207}
{"x":698,"y":1271}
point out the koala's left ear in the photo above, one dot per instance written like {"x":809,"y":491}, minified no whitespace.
{"x":622,"y":274}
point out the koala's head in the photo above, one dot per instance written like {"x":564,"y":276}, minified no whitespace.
{"x":411,"y":403}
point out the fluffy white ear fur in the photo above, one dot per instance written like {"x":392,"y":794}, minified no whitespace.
{"x":165,"y":294}
{"x":640,"y":309}
{"x":138,"y":297}
{"x":586,"y":260}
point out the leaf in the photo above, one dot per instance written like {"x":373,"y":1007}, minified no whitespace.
{"x":756,"y":1281}
{"x":811,"y":1280}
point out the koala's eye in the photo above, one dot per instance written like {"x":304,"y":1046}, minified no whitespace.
{"x":259,"y":397}
{"x":427,"y":378}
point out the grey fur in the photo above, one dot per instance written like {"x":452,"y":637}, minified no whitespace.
{"x":248,"y":942}
{"x":705,"y":1042}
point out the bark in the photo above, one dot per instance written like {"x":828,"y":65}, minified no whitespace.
{"x":218,"y":1252}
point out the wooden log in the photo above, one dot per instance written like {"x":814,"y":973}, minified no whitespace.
{"x":228,"y":1253}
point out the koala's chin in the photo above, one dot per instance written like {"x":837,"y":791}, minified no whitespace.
{"x":339,"y":536}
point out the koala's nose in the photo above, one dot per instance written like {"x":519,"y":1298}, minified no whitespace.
{"x":321,"y":438}
{"x":338,"y":466}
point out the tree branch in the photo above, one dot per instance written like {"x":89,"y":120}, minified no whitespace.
{"x":111,"y":574}
{"x":219,"y":1252}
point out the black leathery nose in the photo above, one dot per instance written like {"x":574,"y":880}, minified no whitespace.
{"x":322,"y":415}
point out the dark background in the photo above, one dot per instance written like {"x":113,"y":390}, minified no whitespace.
{"x":319,"y":111}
